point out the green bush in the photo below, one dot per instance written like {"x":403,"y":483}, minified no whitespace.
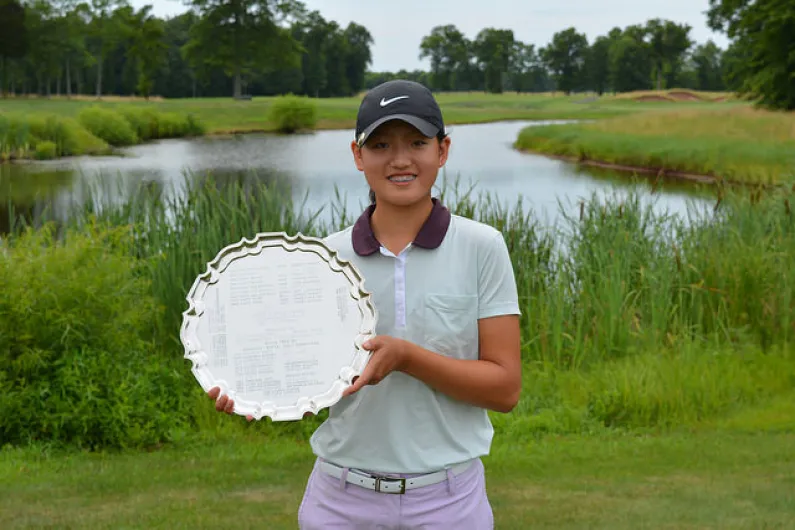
{"x":69,"y":137}
{"x":149,"y":124}
{"x":292,"y":113}
{"x":108,"y":125}
{"x":77,"y":362}
{"x":46,"y":150}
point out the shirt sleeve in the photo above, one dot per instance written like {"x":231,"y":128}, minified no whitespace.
{"x":497,"y":293}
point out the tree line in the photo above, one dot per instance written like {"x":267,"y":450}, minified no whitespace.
{"x":267,"y":47}
{"x":658,"y":54}
{"x":216,"y":48}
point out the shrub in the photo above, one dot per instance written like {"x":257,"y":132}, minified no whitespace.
{"x":108,"y":125}
{"x":46,"y":150}
{"x":292,"y":113}
{"x":76,"y":357}
{"x":69,"y":137}
{"x":150,"y":124}
{"x":143,"y":122}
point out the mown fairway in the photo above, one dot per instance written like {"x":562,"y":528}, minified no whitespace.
{"x":222,"y":115}
{"x":731,"y":477}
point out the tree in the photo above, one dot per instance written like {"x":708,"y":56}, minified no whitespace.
{"x":105,"y":31}
{"x":13,"y":37}
{"x":175,"y":77}
{"x":44,"y":51}
{"x":668,"y":43}
{"x":630,"y":64}
{"x":243,"y":37}
{"x":597,"y":65}
{"x":336,"y":58}
{"x":73,"y":26}
{"x":565,"y":56}
{"x":707,"y":61}
{"x":333,"y":60}
{"x":313,"y":34}
{"x":763,"y":58}
{"x":494,"y":50}
{"x":359,"y":55}
{"x":147,"y":47}
{"x":447,"y":48}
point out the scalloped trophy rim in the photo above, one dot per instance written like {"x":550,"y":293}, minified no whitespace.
{"x":252,"y":246}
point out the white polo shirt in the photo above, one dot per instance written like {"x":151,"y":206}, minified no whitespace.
{"x":455,"y":272}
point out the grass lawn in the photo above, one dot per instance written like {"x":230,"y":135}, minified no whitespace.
{"x":737,"y":472}
{"x":734,"y":143}
{"x":224,"y":115}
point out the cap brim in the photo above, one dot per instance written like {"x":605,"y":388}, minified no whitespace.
{"x":426,"y":128}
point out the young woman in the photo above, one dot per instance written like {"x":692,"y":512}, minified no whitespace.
{"x":402,"y":448}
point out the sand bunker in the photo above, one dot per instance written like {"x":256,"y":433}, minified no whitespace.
{"x":651,"y":98}
{"x":684,"y":96}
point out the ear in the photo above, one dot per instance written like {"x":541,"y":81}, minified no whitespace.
{"x":357,"y":156}
{"x":444,"y":150}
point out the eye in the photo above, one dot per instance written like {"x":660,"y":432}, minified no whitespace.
{"x":421,"y":143}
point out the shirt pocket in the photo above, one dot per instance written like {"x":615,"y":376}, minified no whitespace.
{"x":451,"y":325}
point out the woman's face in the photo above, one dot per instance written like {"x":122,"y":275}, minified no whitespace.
{"x":399,"y":163}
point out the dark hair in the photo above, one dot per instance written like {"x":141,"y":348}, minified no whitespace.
{"x":441,"y":135}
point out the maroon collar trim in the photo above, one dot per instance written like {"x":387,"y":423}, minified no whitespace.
{"x":430,"y":235}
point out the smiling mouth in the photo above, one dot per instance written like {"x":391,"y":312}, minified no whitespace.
{"x":402,"y":178}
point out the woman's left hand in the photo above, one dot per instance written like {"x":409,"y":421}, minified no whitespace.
{"x":388,"y":354}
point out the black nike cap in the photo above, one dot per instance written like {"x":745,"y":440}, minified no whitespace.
{"x":400,"y":99}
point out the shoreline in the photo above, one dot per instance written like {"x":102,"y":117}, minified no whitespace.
{"x":329,"y":126}
{"x":659,"y":172}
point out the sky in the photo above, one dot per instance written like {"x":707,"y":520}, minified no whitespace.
{"x":398,"y":26}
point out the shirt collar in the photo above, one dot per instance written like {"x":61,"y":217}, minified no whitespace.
{"x":430,"y":236}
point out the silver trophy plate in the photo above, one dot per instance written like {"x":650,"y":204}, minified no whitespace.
{"x":278,"y":322}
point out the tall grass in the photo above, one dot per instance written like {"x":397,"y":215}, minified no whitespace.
{"x":605,"y":283}
{"x":20,"y":137}
{"x":735,"y":144}
{"x":96,"y":130}
{"x":630,"y":318}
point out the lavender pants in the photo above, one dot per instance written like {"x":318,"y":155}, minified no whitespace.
{"x":459,"y":503}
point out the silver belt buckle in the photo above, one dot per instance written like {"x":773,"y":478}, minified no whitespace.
{"x":401,"y":481}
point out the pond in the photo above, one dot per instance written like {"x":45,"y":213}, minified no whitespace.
{"x":318,"y":165}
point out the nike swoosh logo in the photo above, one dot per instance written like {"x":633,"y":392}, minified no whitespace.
{"x":385,"y":102}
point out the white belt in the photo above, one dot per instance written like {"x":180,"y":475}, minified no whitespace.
{"x":391,"y":484}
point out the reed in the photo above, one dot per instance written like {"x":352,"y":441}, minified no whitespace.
{"x":606,"y":282}
{"x":633,"y":318}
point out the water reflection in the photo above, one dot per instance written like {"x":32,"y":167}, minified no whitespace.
{"x":317,"y":166}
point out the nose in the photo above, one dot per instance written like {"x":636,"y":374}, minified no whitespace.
{"x":400,"y":158}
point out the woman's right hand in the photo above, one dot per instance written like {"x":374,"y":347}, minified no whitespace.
{"x":223,"y":403}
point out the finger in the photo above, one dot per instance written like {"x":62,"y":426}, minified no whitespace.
{"x":358,"y":383}
{"x":230,"y":406}
{"x":214,"y":392}
{"x":221,"y":403}
{"x":372,"y":344}
{"x":308,"y":414}
{"x":250,"y":418}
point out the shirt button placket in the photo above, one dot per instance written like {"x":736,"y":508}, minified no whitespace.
{"x":400,"y":291}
